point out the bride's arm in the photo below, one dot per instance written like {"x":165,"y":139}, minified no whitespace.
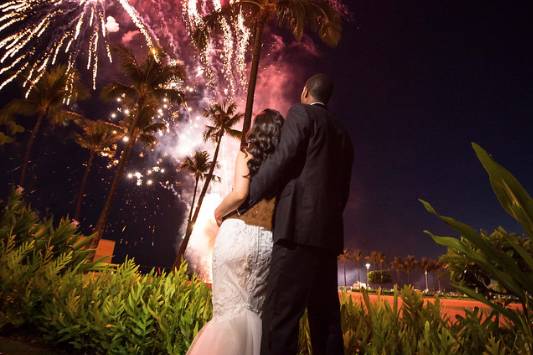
{"x":241,"y":185}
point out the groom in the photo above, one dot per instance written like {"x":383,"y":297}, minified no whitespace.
{"x":310,"y":173}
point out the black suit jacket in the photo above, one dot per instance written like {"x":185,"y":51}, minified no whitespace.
{"x":310,"y":173}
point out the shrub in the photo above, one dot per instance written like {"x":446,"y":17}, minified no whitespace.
{"x":497,"y":263}
{"x":415,"y":327}
{"x":34,"y":254}
{"x":47,"y":283}
{"x":379,"y":277}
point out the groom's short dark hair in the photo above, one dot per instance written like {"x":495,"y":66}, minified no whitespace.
{"x":320,"y":86}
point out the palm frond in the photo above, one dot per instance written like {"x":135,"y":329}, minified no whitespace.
{"x":234,"y":133}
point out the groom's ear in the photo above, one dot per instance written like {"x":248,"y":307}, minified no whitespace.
{"x":304,"y":95}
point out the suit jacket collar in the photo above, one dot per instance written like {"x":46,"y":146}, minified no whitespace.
{"x":318,"y":103}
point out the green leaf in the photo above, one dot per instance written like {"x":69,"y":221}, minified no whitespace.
{"x":510,"y":193}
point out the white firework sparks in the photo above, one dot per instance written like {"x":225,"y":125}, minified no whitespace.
{"x":229,"y":48}
{"x":36,"y":34}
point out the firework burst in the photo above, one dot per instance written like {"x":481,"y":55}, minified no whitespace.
{"x":226,"y":51}
{"x":35,"y":34}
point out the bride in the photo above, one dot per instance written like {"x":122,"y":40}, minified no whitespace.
{"x":241,"y":257}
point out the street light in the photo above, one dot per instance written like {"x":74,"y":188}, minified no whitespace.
{"x":367,"y":268}
{"x":426,"y":274}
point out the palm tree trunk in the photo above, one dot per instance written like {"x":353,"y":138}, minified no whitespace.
{"x":102,"y":219}
{"x":83,"y":184}
{"x":29,"y":145}
{"x":188,"y":231}
{"x":256,"y":54}
{"x":193,"y":199}
{"x":344,"y":269}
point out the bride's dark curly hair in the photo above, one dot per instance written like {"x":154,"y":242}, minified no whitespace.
{"x":263,"y":138}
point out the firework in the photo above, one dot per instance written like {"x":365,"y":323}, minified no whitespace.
{"x":229,"y":48}
{"x":36,"y":34}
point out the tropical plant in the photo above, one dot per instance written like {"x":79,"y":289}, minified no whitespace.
{"x":407,"y":325}
{"x":48,"y":284}
{"x":356,"y":255}
{"x":376,"y":258}
{"x":222,"y":119}
{"x":149,"y":84}
{"x":379,"y":277}
{"x":321,"y":16}
{"x":197,"y":165}
{"x":433,"y":268}
{"x":99,"y":138}
{"x":504,"y":259}
{"x":125,"y":312}
{"x":10,"y":129}
{"x":425,"y":264}
{"x":397,"y":265}
{"x":33,"y":254}
{"x":47,"y":101}
{"x":343,"y":258}
{"x":409,"y":264}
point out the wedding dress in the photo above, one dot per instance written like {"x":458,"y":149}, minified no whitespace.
{"x":241,"y":260}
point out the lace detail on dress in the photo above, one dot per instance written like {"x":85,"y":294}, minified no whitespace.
{"x":241,"y":262}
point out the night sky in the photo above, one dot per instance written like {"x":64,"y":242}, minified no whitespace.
{"x":417,"y":82}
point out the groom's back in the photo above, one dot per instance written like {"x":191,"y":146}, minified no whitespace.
{"x":311,"y":205}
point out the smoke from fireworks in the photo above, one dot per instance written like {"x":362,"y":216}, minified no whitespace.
{"x":36,"y":34}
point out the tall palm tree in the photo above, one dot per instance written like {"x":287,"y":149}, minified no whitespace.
{"x":99,"y":138}
{"x":198,"y":165}
{"x":319,"y":16}
{"x":380,"y":259}
{"x":433,"y":267}
{"x":409,"y":264}
{"x":425,"y":264}
{"x":357,"y":256}
{"x":222,"y":119}
{"x":148,"y":84}
{"x":343,"y":258}
{"x":397,"y":265}
{"x":45,"y":102}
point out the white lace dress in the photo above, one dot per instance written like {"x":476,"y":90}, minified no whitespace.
{"x":241,"y":260}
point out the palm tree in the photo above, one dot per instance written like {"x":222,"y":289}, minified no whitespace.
{"x":409,"y":264}
{"x":342,"y":259}
{"x":319,"y":16}
{"x":198,"y":165}
{"x":425,"y":264}
{"x":223,"y":118}
{"x":149,"y":83}
{"x":45,"y":102}
{"x":380,"y":259}
{"x":99,"y":138}
{"x":434,"y":266}
{"x":374,"y":258}
{"x":397,"y":265}
{"x":357,"y":256}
